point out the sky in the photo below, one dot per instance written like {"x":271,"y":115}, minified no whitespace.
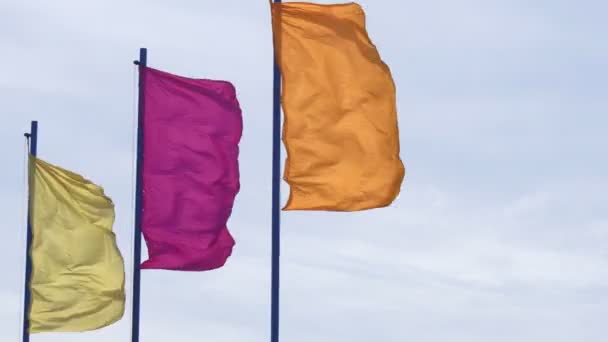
{"x":500,"y":232}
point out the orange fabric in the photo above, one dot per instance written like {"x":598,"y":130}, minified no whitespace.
{"x":340,"y":127}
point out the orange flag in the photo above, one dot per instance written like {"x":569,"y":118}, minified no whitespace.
{"x":340,"y":127}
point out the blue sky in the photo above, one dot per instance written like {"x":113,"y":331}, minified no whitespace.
{"x":500,"y":231}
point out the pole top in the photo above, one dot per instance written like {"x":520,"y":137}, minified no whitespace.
{"x":143,"y":57}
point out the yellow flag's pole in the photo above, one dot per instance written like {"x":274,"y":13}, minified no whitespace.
{"x":32,"y":138}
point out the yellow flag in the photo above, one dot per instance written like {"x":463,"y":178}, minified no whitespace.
{"x":78,"y":276}
{"x":340,"y":128}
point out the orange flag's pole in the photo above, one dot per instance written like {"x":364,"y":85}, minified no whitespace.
{"x":276,"y":200}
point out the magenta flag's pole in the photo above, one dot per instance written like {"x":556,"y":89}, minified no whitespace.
{"x":143,"y":57}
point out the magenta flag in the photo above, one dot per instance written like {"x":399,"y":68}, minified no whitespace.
{"x":192,"y":128}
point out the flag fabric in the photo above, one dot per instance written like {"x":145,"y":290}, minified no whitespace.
{"x":192,"y":128}
{"x":78,"y":278}
{"x":340,"y":129}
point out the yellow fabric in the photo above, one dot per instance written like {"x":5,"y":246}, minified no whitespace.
{"x":340,"y":127}
{"x":78,"y":276}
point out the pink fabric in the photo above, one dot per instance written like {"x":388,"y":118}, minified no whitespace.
{"x":192,"y":128}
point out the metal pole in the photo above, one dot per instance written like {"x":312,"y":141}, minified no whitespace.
{"x":33,"y":142}
{"x":276,"y":199}
{"x":143,"y":56}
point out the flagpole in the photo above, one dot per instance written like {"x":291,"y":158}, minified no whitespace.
{"x":143,"y":57}
{"x":33,"y":144}
{"x":276,"y":199}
